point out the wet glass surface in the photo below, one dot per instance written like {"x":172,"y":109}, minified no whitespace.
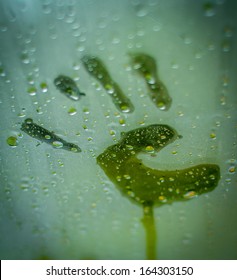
{"x":56,"y":204}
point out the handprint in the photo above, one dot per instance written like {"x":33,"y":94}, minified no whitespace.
{"x":152,"y":187}
{"x":44,"y":135}
{"x":68,"y":87}
{"x":98,"y":70}
{"x":145,"y":186}
{"x":145,"y":65}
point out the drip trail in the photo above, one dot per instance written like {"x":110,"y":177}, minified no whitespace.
{"x":150,"y":229}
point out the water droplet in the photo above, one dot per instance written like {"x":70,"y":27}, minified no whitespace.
{"x":109,"y":88}
{"x":231,"y":169}
{"x":150,"y":79}
{"x":21,"y":114}
{"x":112,"y":132}
{"x":232,"y":161}
{"x":223,"y":100}
{"x":3,"y":27}
{"x":86,"y":111}
{"x":213,"y":136}
{"x":57,"y":144}
{"x":226,"y":46}
{"x":190,"y":194}
{"x":161,"y":105}
{"x":122,"y":122}
{"x":228,"y":180}
{"x":212,"y":177}
{"x":127,"y":177}
{"x":12,"y":141}
{"x":32,"y":91}
{"x":29,"y":121}
{"x":39,"y":110}
{"x":141,"y":11}
{"x":131,"y":194}
{"x":209,"y":9}
{"x":74,"y":149}
{"x":72,"y":111}
{"x":61,"y":164}
{"x":162,"y":199}
{"x":228,"y":31}
{"x":149,"y":149}
{"x":44,"y":87}
{"x":162,"y":179}
{"x":140,"y":33}
{"x":76,"y":66}
{"x":46,"y":8}
{"x":24,"y":186}
{"x":146,"y":209}
{"x":118,"y":178}
{"x":125,"y":108}
{"x":30,"y":79}
{"x":129,"y":147}
{"x":174,"y":65}
{"x":2,"y":72}
{"x":25,"y":58}
{"x":180,"y":114}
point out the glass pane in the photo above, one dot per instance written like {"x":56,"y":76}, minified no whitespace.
{"x":56,"y":201}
